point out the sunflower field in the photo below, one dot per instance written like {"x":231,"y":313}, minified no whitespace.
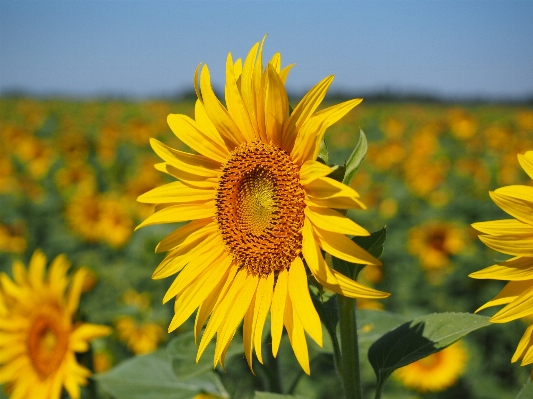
{"x":70,"y":175}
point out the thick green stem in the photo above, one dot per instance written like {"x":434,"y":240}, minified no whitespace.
{"x":350,"y":372}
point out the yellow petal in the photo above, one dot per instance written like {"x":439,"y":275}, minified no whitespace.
{"x":236,"y":107}
{"x":181,"y":213}
{"x":285,"y":72}
{"x":277,"y":310}
{"x":176,"y":192}
{"x":216,"y":111}
{"x":524,"y":344}
{"x":331,"y":192}
{"x":520,"y":307}
{"x":331,"y":220}
{"x":204,"y":143}
{"x":235,"y":315}
{"x":195,"y":164}
{"x":310,"y":136}
{"x":312,"y":170}
{"x":248,"y":94}
{"x":515,"y":269}
{"x":74,"y":293}
{"x":265,"y":290}
{"x":192,"y":231}
{"x":296,"y":334}
{"x":301,"y":300}
{"x":191,"y":272}
{"x":82,"y":335}
{"x":220,"y":311}
{"x":19,"y":273}
{"x":276,"y":106}
{"x":516,"y":201}
{"x":343,"y":248}
{"x":509,"y":293}
{"x":187,"y":178}
{"x":504,"y":227}
{"x":36,"y":269}
{"x":305,"y":108}
{"x":248,"y":332}
{"x":213,"y":299}
{"x":182,"y":255}
{"x":199,"y":290}
{"x":511,"y":245}
{"x":330,"y":278}
{"x":526,"y":161}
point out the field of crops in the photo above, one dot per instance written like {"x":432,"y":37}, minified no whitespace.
{"x":70,"y":173}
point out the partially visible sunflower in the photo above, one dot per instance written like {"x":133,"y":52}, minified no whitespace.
{"x":435,"y":372}
{"x":513,"y":237}
{"x":39,"y":338}
{"x":434,"y":242}
{"x":140,"y":338}
{"x":258,"y":203}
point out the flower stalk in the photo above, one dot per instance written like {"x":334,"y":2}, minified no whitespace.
{"x":350,"y":366}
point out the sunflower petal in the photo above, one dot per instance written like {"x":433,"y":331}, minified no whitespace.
{"x":176,"y":192}
{"x":331,"y":220}
{"x":180,"y":213}
{"x":526,"y":161}
{"x":312,"y":170}
{"x":192,"y":231}
{"x":516,"y":201}
{"x":504,"y":227}
{"x":326,"y":192}
{"x":511,"y":245}
{"x":264,"y":300}
{"x":509,"y":293}
{"x":204,"y":143}
{"x":524,"y":344}
{"x":515,"y":269}
{"x":276,"y":106}
{"x":296,"y":334}
{"x":520,"y":307}
{"x":277,"y":310}
{"x":300,"y":298}
{"x":302,"y":112}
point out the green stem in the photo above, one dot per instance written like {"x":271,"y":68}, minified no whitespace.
{"x":379,"y":389}
{"x":350,"y":371}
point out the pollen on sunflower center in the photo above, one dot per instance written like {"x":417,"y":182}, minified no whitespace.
{"x":47,"y":342}
{"x":260,"y":208}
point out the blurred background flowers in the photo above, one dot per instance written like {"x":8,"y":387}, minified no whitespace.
{"x":447,"y":108}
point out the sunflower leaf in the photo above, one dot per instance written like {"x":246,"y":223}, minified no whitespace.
{"x":323,"y":153}
{"x":356,"y":158}
{"x":373,"y":243}
{"x":182,"y":354}
{"x":151,"y":377}
{"x":419,"y":338}
{"x":270,"y":395}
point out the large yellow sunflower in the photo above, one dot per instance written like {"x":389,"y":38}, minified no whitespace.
{"x":513,"y":237}
{"x":38,"y":338}
{"x":258,"y":204}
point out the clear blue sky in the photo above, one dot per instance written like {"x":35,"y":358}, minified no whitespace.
{"x":150,"y":48}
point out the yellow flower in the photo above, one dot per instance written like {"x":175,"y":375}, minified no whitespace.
{"x":38,"y":337}
{"x":140,"y":338}
{"x":13,"y":238}
{"x":258,"y":204}
{"x":435,"y":372}
{"x":433,"y":243}
{"x":513,"y":237}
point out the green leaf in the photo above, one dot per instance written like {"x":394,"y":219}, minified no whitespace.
{"x":373,"y":243}
{"x":323,"y":152}
{"x":419,"y":338}
{"x":182,"y":354}
{"x":372,"y":324}
{"x":269,"y":395}
{"x":151,"y":377}
{"x":356,"y":158}
{"x":526,"y":392}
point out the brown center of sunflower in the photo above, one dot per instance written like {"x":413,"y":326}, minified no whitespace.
{"x":260,"y":208}
{"x":48,"y":341}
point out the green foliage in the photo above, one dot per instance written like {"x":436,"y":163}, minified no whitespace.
{"x":268,"y":395}
{"x":419,"y":338}
{"x":526,"y":392}
{"x":356,"y":158}
{"x":151,"y":377}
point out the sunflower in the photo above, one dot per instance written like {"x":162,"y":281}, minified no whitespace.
{"x":435,"y":372}
{"x":512,"y":237}
{"x":38,"y":336}
{"x":258,"y":204}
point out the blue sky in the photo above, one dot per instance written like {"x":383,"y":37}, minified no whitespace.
{"x":150,"y":48}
